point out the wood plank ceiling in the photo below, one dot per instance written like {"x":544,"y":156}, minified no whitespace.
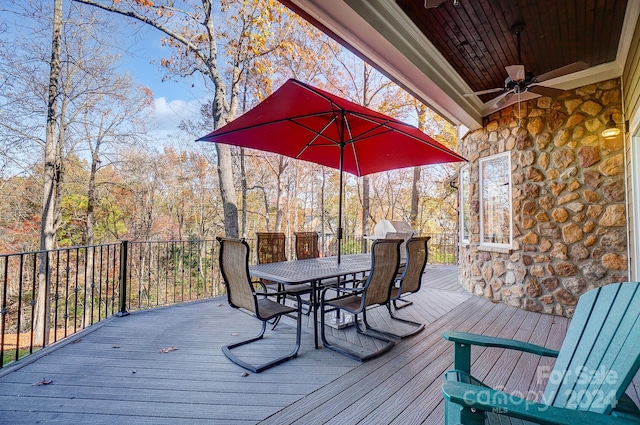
{"x":476,"y":37}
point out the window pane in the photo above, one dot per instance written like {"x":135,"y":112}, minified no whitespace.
{"x":465,"y":206}
{"x":496,"y":200}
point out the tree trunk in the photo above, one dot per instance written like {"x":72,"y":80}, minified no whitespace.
{"x":91,"y":202}
{"x":243,"y":180}
{"x":365,"y":211}
{"x":413,"y":215}
{"x":282,"y":166}
{"x":227,"y":190}
{"x":50,"y":187}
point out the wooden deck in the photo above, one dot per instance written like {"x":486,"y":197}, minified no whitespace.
{"x":117,"y":373}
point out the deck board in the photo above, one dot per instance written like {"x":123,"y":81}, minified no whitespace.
{"x":115,"y":372}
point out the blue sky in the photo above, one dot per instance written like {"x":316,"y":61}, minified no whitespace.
{"x":175,"y":99}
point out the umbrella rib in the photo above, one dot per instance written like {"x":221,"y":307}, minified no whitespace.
{"x":316,"y":132}
{"x":266,"y":123}
{"x":389,"y":129}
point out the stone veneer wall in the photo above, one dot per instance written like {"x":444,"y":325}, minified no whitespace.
{"x":568,"y":192}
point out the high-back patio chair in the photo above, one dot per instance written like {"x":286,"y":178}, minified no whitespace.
{"x":272,"y":249}
{"x":243,"y":294}
{"x":598,"y":359}
{"x":306,"y":245}
{"x":410,"y":280}
{"x":385,"y":258}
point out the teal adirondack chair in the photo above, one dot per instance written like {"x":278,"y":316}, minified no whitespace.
{"x":598,"y":359}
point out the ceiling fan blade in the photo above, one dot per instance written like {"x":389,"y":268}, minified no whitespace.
{"x":545,"y":91}
{"x":510,"y":100}
{"x":498,"y":101}
{"x":516,"y":72}
{"x":481,"y":92}
{"x":559,"y":72}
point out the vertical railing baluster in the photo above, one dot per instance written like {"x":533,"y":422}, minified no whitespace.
{"x":33,"y":305}
{"x":157,"y":276}
{"x":182,"y":251}
{"x":4,"y":309}
{"x":202,"y":266}
{"x":167,"y":260}
{"x":101,"y":269}
{"x":93,"y":282}
{"x":76,"y":290}
{"x":19,"y":310}
{"x":131,"y":275}
{"x":149,"y":285}
{"x":113,"y":285}
{"x":190,"y":270}
{"x":175,"y":270}
{"x":86,"y":288}
{"x":66,"y":295}
{"x":124,"y":248}
{"x":56,"y":297}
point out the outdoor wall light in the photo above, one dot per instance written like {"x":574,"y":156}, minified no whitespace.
{"x":611,"y":129}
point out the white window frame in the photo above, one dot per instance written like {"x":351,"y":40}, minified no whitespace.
{"x":482,"y":165}
{"x":465,"y":203}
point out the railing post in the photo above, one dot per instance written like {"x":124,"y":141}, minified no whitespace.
{"x":124,"y":248}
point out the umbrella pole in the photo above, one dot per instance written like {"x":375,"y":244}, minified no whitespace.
{"x":340,"y":210}
{"x":340,"y":191}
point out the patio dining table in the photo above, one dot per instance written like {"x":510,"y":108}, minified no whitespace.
{"x":312,"y":271}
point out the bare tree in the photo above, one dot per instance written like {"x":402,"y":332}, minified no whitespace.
{"x":191,"y":31}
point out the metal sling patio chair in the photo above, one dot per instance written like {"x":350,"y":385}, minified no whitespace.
{"x":598,"y":359}
{"x":243,"y":295}
{"x":306,"y":245}
{"x":271,"y":249}
{"x":410,"y":280}
{"x":385,"y":258}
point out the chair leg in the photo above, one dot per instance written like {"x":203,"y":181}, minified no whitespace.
{"x":405,"y":303}
{"x":262,"y":367}
{"x":356,"y":355}
{"x":418,"y":326}
{"x":371,"y":331}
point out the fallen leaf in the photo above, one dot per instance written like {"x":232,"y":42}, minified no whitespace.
{"x":168,"y":349}
{"x":43,"y":382}
{"x":133,"y":371}
{"x":244,"y":374}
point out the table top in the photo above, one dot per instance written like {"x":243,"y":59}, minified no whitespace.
{"x":302,"y":271}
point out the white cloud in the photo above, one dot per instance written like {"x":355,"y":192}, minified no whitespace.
{"x":169,"y":114}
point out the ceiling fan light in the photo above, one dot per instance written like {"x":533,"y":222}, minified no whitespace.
{"x":611,"y":129}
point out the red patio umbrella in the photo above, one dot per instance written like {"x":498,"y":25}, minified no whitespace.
{"x":304,"y":122}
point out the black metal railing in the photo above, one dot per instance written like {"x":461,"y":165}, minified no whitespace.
{"x":85,"y":285}
{"x":80,"y":284}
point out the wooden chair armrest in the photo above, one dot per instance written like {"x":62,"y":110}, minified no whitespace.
{"x":490,"y":341}
{"x":489,"y":400}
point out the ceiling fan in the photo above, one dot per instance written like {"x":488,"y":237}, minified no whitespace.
{"x":524,"y":85}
